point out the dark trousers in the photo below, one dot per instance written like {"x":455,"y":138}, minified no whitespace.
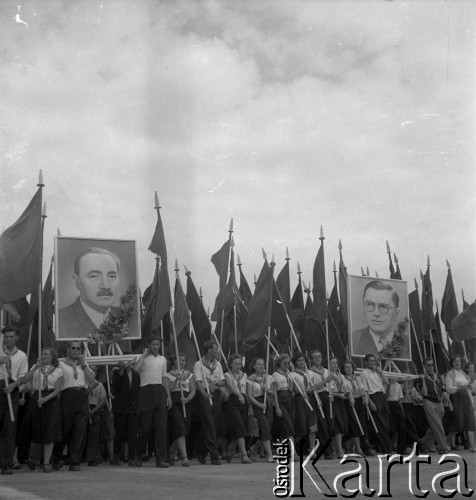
{"x":125,"y":425}
{"x":74,"y":414}
{"x":7,"y":427}
{"x":210,"y":417}
{"x":93,"y":437}
{"x":381,"y":419}
{"x":397,"y":432}
{"x":152,"y":409}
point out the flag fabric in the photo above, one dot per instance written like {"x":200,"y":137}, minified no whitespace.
{"x":464,"y":325}
{"x":281,"y":305}
{"x":319,"y":285}
{"x":244,"y":290}
{"x":20,"y":253}
{"x":428,"y":317}
{"x":312,"y":337}
{"x":160,"y":298}
{"x":181,"y":311}
{"x":227,"y":297}
{"x":415,"y":315}
{"x":449,"y":306}
{"x":158,"y":307}
{"x":259,"y":310}
{"x":398,"y":274}
{"x":441,"y":354}
{"x":343,"y":293}
{"x":200,"y":321}
{"x":390,"y":267}
{"x":224,"y":299}
{"x":297,"y":303}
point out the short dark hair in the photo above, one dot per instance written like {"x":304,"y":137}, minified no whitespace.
{"x":425,"y":361}
{"x":207,"y":345}
{"x":368,"y":356}
{"x":348,"y":362}
{"x":380,"y":285}
{"x":11,"y":328}
{"x":454,"y":358}
{"x":98,"y":250}
{"x":151,"y":339}
{"x":254,"y":361}
{"x":278,"y":361}
{"x":298,"y":355}
{"x":71,"y":342}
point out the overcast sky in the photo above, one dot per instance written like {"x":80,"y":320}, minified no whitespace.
{"x":285,"y":115}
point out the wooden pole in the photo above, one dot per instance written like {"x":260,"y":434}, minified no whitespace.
{"x":267,"y":367}
{"x":172,"y":319}
{"x":9,"y":397}
{"x":40,"y":301}
{"x":236,"y":328}
{"x":205,"y":381}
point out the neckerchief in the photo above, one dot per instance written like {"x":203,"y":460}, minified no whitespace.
{"x":210,"y":365}
{"x":337,"y":380}
{"x":9,"y":355}
{"x":46,"y":370}
{"x":289,"y":379}
{"x":304,"y":375}
{"x":353,"y":380}
{"x":73,"y":364}
{"x":184,"y":373}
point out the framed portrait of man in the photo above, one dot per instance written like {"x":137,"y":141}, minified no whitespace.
{"x":378,"y":317}
{"x":96,"y":289}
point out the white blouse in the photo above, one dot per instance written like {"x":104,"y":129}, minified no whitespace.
{"x":454,"y":380}
{"x":182,"y":384}
{"x":240,"y":384}
{"x":258,"y":386}
{"x":318,"y":378}
{"x":283,"y":382}
{"x":38,"y":380}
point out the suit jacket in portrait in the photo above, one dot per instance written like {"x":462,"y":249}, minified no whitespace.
{"x":74,"y":322}
{"x":363,"y":343}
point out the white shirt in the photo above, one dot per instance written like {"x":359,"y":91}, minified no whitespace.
{"x":299,"y":380}
{"x":96,"y":395}
{"x":182,"y":384}
{"x":96,"y":317}
{"x":153,"y":369}
{"x":38,"y":378}
{"x":454,"y":380}
{"x":283,"y":382}
{"x":372,"y":381}
{"x":214,"y":376}
{"x":19,"y":366}
{"x":240,"y":385}
{"x":395,"y":392}
{"x":257,"y":387}
{"x":68,"y":376}
{"x":318,"y":378}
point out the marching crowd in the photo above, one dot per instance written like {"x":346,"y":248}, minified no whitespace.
{"x":159,"y":408}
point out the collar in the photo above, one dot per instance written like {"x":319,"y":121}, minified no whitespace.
{"x":95,"y":316}
{"x":376,"y":337}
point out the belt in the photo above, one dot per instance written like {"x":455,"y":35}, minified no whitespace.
{"x":433,"y":400}
{"x":75,"y":389}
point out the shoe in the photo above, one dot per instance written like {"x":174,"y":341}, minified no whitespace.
{"x":202,"y":460}
{"x":16,"y":466}
{"x":75,"y":467}
{"x":216,"y":461}
{"x":171,"y":460}
{"x":145,"y":458}
{"x":57,"y":464}
{"x":245,"y":459}
{"x":185,"y":462}
{"x":47,"y":468}
{"x":31,"y":464}
{"x":91,"y":463}
{"x":162,"y":465}
{"x":6,"y":471}
{"x":115,"y":461}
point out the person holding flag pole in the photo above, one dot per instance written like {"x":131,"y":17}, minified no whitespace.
{"x":209,"y":378}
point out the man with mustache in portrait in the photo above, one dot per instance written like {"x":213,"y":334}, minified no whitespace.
{"x":96,"y":276}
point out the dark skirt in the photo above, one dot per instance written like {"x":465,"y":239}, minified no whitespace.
{"x":236,"y":418}
{"x":305,"y":420}
{"x":285,"y":423}
{"x":353,"y":428}
{"x":178,"y":424}
{"x":340,"y":416}
{"x":265,"y":420}
{"x":45,"y":421}
{"x":463,"y":412}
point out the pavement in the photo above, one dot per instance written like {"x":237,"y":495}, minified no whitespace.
{"x":207,"y":482}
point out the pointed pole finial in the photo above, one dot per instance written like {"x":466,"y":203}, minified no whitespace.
{"x":298,"y":268}
{"x":416,"y":283}
{"x":264,"y":254}
{"x":231,"y":226}
{"x":307,"y":289}
{"x":157,"y":204}
{"x":58,"y":231}
{"x":321,"y":234}
{"x":368,"y":271}
{"x":200,"y":292}
{"x":428,"y":261}
{"x":362,"y":271}
{"x":272,"y":263}
{"x":436,"y":304}
{"x":254,"y":278}
{"x":238,"y":261}
{"x":187,"y":272}
{"x":376,"y":274}
{"x":287,"y":254}
{"x":208,"y":311}
{"x":340,"y":245}
{"x":447,"y":263}
{"x":43,"y":212}
{"x":421,"y":275}
{"x":40,"y":179}
{"x":395,"y":258}
{"x":334,"y":268}
{"x":176,"y":265}
{"x":388,"y":246}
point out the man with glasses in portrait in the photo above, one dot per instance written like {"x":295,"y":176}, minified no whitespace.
{"x":380,"y":309}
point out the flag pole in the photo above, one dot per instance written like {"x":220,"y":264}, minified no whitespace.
{"x":236,"y":330}
{"x":266,"y":372}
{"x":328,"y":357}
{"x":40,"y":280}
{"x":205,"y":381}
{"x":172,"y":319}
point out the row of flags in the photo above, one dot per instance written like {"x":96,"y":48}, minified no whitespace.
{"x":245,"y":319}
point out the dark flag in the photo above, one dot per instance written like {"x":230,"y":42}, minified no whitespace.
{"x":259,"y":310}
{"x":398,"y":274}
{"x":200,"y":321}
{"x":319,"y":284}
{"x":161,"y":299}
{"x":20,"y":253}
{"x":427,"y":315}
{"x":343,"y":290}
{"x":449,"y":311}
{"x":313,"y":336}
{"x":281,"y":305}
{"x":441,"y":354}
{"x":244,"y":290}
{"x":390,"y":263}
{"x":297,"y":303}
{"x":220,"y":261}
{"x":185,"y":344}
